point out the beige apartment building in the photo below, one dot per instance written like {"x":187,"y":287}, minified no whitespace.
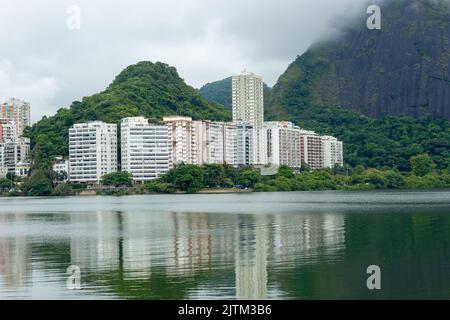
{"x":18,"y":111}
{"x":248,"y":106}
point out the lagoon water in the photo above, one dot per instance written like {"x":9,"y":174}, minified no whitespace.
{"x":293,"y":245}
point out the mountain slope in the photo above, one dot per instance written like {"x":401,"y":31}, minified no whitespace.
{"x":145,"y":89}
{"x":404,"y":68}
{"x":220,"y":92}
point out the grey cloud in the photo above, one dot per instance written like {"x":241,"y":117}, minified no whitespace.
{"x":43,"y":62}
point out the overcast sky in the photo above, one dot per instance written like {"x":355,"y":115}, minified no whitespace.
{"x":46,"y":63}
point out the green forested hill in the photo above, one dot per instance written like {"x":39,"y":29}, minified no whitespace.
{"x":388,"y":142}
{"x":149,"y":89}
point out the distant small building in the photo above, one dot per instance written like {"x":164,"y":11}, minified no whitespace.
{"x":22,"y":169}
{"x":61,"y":167}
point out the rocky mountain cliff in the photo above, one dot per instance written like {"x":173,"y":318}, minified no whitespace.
{"x":404,"y":68}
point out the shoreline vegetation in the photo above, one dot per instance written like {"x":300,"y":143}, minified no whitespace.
{"x":218,"y":179}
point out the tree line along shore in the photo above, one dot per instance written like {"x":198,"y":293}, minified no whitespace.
{"x":218,"y":178}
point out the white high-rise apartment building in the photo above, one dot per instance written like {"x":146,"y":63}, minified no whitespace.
{"x":182,"y":140}
{"x":320,"y":151}
{"x":311,"y":149}
{"x":14,"y":152}
{"x":230,"y":143}
{"x":18,"y":111}
{"x":332,"y":152}
{"x":210,"y":142}
{"x":7,"y":130}
{"x":248,"y":106}
{"x":244,"y":144}
{"x":283,"y":144}
{"x":92,"y":151}
{"x":145,"y":148}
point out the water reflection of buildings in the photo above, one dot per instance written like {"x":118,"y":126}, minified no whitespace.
{"x":281,"y":239}
{"x":191,"y":243}
{"x":183,"y":245}
{"x":15,"y":268}
{"x":308,"y":235}
{"x":251,"y":257}
{"x":94,"y":244}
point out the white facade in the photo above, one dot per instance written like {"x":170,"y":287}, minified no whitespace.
{"x":210,"y":141}
{"x":92,"y":151}
{"x":7,"y":130}
{"x":244,"y":144}
{"x":321,"y":152}
{"x":230,"y":143}
{"x":14,"y":152}
{"x":18,"y":111}
{"x":61,"y":166}
{"x":145,"y":148}
{"x":311,"y":149}
{"x":248,"y":106}
{"x":248,"y":98}
{"x":283,"y":144}
{"x":182,"y":140}
{"x":332,"y":152}
{"x":22,"y":169}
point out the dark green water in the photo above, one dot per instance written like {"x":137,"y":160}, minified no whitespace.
{"x":253,"y":246}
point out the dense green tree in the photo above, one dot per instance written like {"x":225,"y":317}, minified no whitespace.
{"x":283,"y":183}
{"x":214,"y":176}
{"x":338,"y":169}
{"x":263,"y":187}
{"x":285,"y":171}
{"x":375,"y":178}
{"x":62,"y":190}
{"x":159,"y":187}
{"x":422,"y":165}
{"x":304,"y":167}
{"x":118,"y":179}
{"x":394,"y":179}
{"x":39,"y":183}
{"x":5,"y":184}
{"x":185,"y":177}
{"x":248,"y":178}
{"x":11,"y":176}
{"x":359,"y":169}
